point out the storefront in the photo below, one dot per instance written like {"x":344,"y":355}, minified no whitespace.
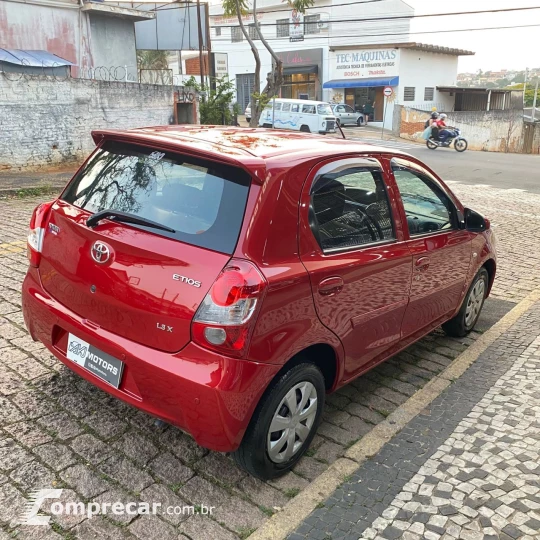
{"x":301,"y":74}
{"x":358,"y":77}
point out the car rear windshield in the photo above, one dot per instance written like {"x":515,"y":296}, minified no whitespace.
{"x":203,"y":201}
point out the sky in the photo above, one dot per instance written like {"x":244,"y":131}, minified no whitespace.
{"x":515,"y":48}
{"x":495,"y":49}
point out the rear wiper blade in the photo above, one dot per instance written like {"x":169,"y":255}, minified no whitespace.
{"x":116,"y":215}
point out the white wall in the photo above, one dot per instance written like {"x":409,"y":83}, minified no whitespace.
{"x":336,"y":34}
{"x":422,"y":69}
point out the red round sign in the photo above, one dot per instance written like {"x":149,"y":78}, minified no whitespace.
{"x":388,"y":91}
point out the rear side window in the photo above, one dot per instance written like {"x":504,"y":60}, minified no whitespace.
{"x":350,"y":206}
{"x":286,"y":107}
{"x":203,"y":201}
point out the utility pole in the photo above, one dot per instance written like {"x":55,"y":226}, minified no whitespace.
{"x":534,"y":102}
{"x":525,"y":84}
{"x":199,"y":27}
{"x":211,"y":66}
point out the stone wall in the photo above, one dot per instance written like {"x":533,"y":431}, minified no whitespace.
{"x":489,"y":131}
{"x":45,"y":123}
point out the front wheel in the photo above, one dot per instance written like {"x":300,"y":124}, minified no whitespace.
{"x":461,"y":145}
{"x":431,"y":145}
{"x":283,"y":424}
{"x":469,"y":312}
{"x":305,"y":129}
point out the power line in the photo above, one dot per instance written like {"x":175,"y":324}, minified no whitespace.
{"x":398,"y":17}
{"x":355,"y":36}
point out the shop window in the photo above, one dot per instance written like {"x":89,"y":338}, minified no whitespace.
{"x":311,"y":24}
{"x":409,"y":93}
{"x":282,"y":28}
{"x":252,"y":31}
{"x":429,"y":93}
{"x":218,"y":30}
{"x":236,"y":34}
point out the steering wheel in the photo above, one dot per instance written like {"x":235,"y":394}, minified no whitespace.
{"x":371,"y":223}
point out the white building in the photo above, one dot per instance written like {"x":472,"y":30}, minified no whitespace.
{"x":344,"y":51}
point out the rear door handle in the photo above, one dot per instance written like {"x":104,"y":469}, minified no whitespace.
{"x":331,"y":285}
{"x":422,"y":264}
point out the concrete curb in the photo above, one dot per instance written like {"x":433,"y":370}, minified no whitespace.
{"x":287,"y":520}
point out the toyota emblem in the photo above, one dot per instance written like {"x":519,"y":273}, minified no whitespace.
{"x":101,"y":252}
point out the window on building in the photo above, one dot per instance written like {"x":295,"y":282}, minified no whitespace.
{"x":409,"y":93}
{"x":218,"y":30}
{"x":311,"y":24}
{"x":252,"y":31}
{"x":236,"y":34}
{"x":282,"y":28}
{"x":429,"y":93}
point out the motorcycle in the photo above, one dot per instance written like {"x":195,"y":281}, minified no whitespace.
{"x":460,"y":144}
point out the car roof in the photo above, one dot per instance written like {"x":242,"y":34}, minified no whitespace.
{"x":249,"y":147}
{"x":291,"y":100}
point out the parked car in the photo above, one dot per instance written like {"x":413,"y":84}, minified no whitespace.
{"x":247,"y":114}
{"x":299,"y":115}
{"x":156,"y":277}
{"x":345,"y":114}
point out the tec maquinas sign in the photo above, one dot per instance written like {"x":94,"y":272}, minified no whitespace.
{"x":364,"y":63}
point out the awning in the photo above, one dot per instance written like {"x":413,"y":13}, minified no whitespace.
{"x":40,"y":59}
{"x":300,"y":69}
{"x":361,"y":83}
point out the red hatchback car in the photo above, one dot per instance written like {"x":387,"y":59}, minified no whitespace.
{"x":225,"y":279}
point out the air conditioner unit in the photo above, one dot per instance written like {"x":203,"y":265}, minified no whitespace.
{"x":324,"y":21}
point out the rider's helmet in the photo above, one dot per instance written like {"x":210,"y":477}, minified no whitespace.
{"x":443,"y":116}
{"x":434,"y":114}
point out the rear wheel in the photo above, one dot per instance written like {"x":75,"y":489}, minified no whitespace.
{"x":461,"y":145}
{"x":431,"y":145}
{"x":360,"y":122}
{"x":267,"y":126}
{"x":470,"y":310}
{"x":305,"y":129}
{"x":283,"y":424}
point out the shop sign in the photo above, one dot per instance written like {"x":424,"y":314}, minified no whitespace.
{"x":364,"y":63}
{"x":221,"y":64}
{"x":304,"y":57}
{"x":296,"y":26}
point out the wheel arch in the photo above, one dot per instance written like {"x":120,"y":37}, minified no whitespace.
{"x":491,"y":266}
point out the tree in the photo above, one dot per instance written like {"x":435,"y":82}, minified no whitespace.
{"x":274,"y":80}
{"x":216,"y":108}
{"x":154,"y":60}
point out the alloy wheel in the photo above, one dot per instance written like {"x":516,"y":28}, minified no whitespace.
{"x":292,"y":422}
{"x":474,"y":302}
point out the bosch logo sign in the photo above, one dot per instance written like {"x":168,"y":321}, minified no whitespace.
{"x":100,"y":252}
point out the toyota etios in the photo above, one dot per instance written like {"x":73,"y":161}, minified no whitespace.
{"x":225,"y":279}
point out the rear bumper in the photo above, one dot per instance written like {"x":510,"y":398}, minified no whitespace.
{"x":210,"y":396}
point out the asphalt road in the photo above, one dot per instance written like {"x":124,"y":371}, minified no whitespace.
{"x":504,"y":171}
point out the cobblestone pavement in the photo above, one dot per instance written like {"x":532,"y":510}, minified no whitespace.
{"x":467,"y":467}
{"x":56,"y":430}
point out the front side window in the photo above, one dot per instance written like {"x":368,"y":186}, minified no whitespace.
{"x":201,"y":201}
{"x":427,"y":207}
{"x":286,"y":107}
{"x":308,"y":109}
{"x":348,"y":109}
{"x":349,"y":206}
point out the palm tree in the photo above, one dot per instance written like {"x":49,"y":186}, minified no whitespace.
{"x":153,"y":60}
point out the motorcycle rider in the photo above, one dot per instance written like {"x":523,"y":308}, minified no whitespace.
{"x":444,"y":134}
{"x":432,"y":123}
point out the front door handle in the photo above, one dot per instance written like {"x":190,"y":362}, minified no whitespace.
{"x":331,"y":285}
{"x":422,"y":264}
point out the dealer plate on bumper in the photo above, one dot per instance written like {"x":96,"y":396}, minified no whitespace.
{"x":101,"y":364}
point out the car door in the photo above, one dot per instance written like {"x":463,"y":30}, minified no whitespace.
{"x":339,"y":112}
{"x":440,"y":247}
{"x":359,"y":265}
{"x":349,"y":114}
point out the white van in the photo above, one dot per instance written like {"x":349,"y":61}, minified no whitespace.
{"x":299,"y":115}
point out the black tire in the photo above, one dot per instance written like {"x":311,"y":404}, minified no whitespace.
{"x":267,"y":126}
{"x":252,"y":455}
{"x":431,"y":145}
{"x":459,"y":325}
{"x":359,"y":122}
{"x":460,"y":145}
{"x":305,"y":129}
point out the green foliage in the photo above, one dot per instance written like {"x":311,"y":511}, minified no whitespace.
{"x":216,"y":107}
{"x":529,"y":93}
{"x":152,"y":60}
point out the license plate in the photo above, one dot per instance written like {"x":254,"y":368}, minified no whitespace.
{"x":101,"y":364}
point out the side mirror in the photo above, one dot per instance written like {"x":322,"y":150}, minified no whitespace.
{"x":475,"y":222}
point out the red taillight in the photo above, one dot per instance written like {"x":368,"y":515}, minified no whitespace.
{"x":38,"y":221}
{"x":225,"y":318}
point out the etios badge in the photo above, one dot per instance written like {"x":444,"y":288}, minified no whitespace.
{"x":100,"y":252}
